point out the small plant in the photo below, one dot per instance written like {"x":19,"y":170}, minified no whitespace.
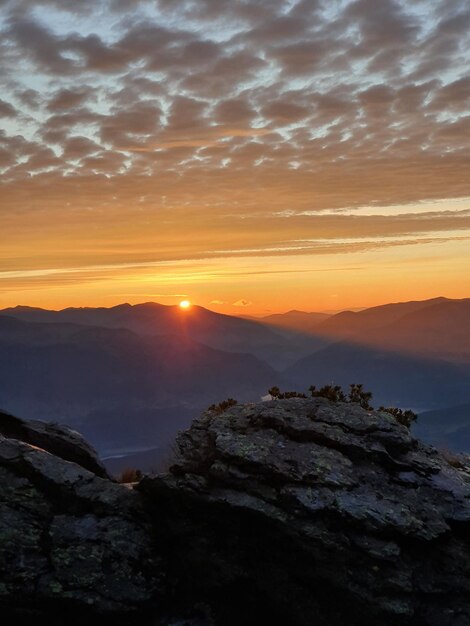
{"x":292,"y":394}
{"x":275,"y":392}
{"x":403,"y":417}
{"x":222,"y":406}
{"x":358,"y":395}
{"x":330,"y":392}
{"x":130,"y":475}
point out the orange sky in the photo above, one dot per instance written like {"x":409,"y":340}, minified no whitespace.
{"x":244,"y":272}
{"x":252,"y":157}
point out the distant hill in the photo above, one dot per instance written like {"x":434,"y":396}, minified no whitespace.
{"x":295,"y":320}
{"x":124,"y":388}
{"x":437,"y":328}
{"x":222,"y":332}
{"x":396,"y":379}
{"x":446,"y":428}
{"x":349,"y":322}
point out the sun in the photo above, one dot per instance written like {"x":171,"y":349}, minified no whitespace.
{"x":185,"y":304}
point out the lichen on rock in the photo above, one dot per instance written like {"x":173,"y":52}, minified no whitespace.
{"x":71,"y":543}
{"x":329,"y":513}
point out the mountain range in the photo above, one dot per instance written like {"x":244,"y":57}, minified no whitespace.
{"x":119,"y":387}
{"x":447,"y":428}
{"x":437,"y":328}
{"x":130,"y":376}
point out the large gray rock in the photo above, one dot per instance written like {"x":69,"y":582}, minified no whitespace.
{"x":306,"y":512}
{"x":73,"y":546}
{"x":59,"y":440}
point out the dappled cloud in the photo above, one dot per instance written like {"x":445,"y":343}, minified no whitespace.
{"x":136,"y":134}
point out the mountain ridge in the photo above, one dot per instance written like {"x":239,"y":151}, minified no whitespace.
{"x":84,"y":374}
{"x":418,"y":359}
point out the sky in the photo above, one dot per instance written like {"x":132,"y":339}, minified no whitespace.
{"x":252,"y":156}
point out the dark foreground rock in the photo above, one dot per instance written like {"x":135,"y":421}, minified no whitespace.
{"x":295,"y":512}
{"x":307,"y":512}
{"x":73,"y":546}
{"x":59,"y":440}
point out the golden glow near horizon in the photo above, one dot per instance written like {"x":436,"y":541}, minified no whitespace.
{"x":185,"y":304}
{"x":259,"y":158}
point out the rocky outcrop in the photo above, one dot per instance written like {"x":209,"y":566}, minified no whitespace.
{"x":306,"y":512}
{"x":293,"y":512}
{"x":73,"y":546}
{"x":59,"y":440}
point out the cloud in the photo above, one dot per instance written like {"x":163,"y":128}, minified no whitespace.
{"x":6,"y":109}
{"x":210,"y":118}
{"x":242,"y":303}
{"x":66,"y":99}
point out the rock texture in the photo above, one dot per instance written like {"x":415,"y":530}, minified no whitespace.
{"x":293,"y":512}
{"x":59,"y":440}
{"x":73,"y":546}
{"x":306,"y":512}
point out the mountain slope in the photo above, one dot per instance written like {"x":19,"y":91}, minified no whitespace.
{"x":441,"y":330}
{"x":150,"y":385}
{"x":299,"y":321}
{"x":446,"y":428}
{"x":223,"y":332}
{"x":435,"y":329}
{"x":348,"y":323}
{"x":395,"y":379}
